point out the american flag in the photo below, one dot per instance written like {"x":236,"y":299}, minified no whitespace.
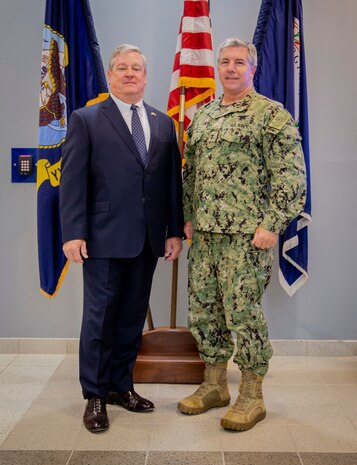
{"x":194,"y":62}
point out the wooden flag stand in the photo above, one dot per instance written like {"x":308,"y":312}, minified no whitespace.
{"x":169,"y":354}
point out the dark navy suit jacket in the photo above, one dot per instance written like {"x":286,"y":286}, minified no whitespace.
{"x":107,"y":196}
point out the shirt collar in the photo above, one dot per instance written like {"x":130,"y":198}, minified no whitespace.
{"x":125,"y":107}
{"x":237,"y":106}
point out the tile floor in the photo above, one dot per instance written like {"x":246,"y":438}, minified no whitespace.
{"x":311,"y":420}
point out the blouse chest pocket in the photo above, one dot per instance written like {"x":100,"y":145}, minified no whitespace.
{"x":205,"y":138}
{"x":242,"y":144}
{"x":237,"y":135}
{"x":195,"y":137}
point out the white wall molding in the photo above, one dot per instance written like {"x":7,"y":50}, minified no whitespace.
{"x":296,"y":347}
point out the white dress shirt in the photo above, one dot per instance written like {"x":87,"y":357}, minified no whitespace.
{"x":126,"y":113}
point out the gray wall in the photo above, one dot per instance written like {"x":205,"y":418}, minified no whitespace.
{"x":325,"y":308}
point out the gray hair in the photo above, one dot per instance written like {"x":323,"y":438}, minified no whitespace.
{"x":123,"y":50}
{"x":237,"y":42}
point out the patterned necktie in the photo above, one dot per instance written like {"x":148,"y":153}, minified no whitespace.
{"x":138,"y":133}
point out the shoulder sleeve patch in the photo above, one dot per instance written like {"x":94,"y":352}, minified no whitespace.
{"x":279,"y":121}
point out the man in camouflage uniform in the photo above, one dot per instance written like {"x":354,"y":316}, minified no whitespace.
{"x":244,"y":181}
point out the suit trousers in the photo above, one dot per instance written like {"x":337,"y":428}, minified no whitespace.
{"x":116,"y":297}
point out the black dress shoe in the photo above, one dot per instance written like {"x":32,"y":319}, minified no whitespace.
{"x":95,"y":416}
{"x":130,"y":400}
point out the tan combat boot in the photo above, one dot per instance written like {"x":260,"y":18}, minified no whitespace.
{"x":249,"y":407}
{"x":213,"y":392}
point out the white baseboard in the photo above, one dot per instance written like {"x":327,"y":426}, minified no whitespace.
{"x":291,"y":347}
{"x":9,"y":345}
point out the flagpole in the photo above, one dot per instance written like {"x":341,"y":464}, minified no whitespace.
{"x":181,"y":119}
{"x":174,"y":279}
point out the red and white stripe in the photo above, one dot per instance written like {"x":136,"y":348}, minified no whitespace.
{"x":194,"y":62}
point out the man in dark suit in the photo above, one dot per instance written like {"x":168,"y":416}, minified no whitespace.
{"x":120,"y":210}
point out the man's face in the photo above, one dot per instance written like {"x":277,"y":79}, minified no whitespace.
{"x":127,"y":77}
{"x":234,"y":70}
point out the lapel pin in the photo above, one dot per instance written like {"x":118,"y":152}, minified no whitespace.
{"x":153,"y":113}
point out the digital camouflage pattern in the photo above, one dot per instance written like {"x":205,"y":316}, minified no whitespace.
{"x":227,"y":279}
{"x":244,"y":167}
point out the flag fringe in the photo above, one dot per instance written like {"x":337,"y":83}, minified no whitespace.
{"x":197,"y":82}
{"x":59,"y":283}
{"x":101,"y":98}
{"x":193,"y":101}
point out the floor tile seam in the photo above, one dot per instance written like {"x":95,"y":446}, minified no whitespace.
{"x":24,"y":384}
{"x":341,"y":384}
{"x":324,"y":386}
{"x":45,"y":383}
{"x":300,"y":458}
{"x":297,"y":384}
{"x":69,"y":457}
{"x":41,"y":385}
{"x":45,"y":377}
{"x":151,"y":437}
{"x":310,"y":423}
{"x":188,"y":451}
{"x":298,"y":451}
{"x":2,"y":369}
{"x":165,"y":448}
{"x":22,"y":415}
{"x":291,"y":404}
{"x":352,"y":423}
{"x":55,"y":363}
{"x":149,"y":452}
{"x":340,"y":402}
{"x":209,"y":451}
{"x":292,"y":438}
{"x":222,"y":453}
{"x":330,"y":386}
{"x":74,"y":446}
{"x":6,"y":435}
{"x":250,"y":452}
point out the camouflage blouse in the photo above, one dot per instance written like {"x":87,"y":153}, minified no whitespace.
{"x":244,"y":167}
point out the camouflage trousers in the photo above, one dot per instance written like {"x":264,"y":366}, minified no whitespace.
{"x":227,"y":279}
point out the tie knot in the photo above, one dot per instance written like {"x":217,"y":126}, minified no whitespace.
{"x":134,"y":107}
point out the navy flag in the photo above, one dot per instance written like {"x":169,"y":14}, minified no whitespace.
{"x":281,"y":76}
{"x":72,"y":74}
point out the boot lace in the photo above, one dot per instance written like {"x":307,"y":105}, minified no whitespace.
{"x":242,"y":403}
{"x":208,"y":384}
{"x":245,"y":395}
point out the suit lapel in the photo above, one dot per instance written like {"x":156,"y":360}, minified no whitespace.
{"x":112,"y":112}
{"x":154,"y":130}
